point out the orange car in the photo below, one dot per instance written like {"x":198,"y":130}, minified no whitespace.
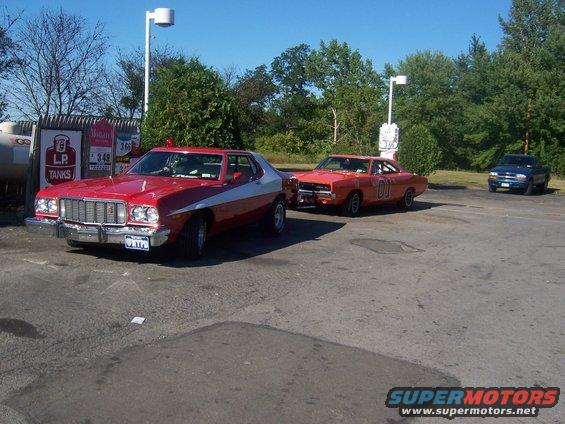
{"x":353,"y":181}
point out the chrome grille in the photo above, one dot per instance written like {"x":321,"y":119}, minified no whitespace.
{"x":86,"y":211}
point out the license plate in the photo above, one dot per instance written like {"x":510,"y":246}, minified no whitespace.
{"x":137,"y":242}
{"x":504,"y":185}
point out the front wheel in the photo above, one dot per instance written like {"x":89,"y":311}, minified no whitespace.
{"x":543,"y":187}
{"x":529,"y":188}
{"x":192,"y":238}
{"x":274,"y":221}
{"x":351,"y":205}
{"x":407,"y":200}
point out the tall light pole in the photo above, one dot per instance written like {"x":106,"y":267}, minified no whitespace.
{"x":164,"y":17}
{"x":400,"y":80}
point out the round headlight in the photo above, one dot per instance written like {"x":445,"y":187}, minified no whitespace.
{"x":152,"y":215}
{"x":41,"y":205}
{"x":138,"y":213}
{"x":52,"y":205}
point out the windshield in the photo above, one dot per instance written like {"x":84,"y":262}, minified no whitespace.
{"x":519,"y":160}
{"x":336,"y":163}
{"x":180,"y":165}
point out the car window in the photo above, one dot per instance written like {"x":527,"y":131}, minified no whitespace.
{"x":389,"y":168}
{"x":377,"y":167}
{"x":242,"y":164}
{"x":179,"y":165}
{"x":336,"y":163}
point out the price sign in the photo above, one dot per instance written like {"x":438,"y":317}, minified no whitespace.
{"x":101,"y":136}
{"x":100,"y":159}
{"x":388,"y":137}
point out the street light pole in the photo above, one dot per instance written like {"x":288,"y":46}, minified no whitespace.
{"x":400,"y":80}
{"x":163,"y":17}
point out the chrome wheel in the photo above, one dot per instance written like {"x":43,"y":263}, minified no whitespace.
{"x":355,"y":201}
{"x":409,"y":198}
{"x":279,"y":217}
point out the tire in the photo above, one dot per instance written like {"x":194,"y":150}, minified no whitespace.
{"x":543,"y":187}
{"x":352,"y":204}
{"x":74,"y":243}
{"x":192,"y":238}
{"x":492,"y":189}
{"x":528,"y":190}
{"x":407,"y":200}
{"x":274,"y":221}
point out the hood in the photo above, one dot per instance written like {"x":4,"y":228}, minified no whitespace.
{"x":325,"y":177}
{"x":515,"y":169}
{"x":130,"y":188}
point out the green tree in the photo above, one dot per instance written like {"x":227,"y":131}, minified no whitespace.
{"x":419,"y":151}
{"x":254,"y":93}
{"x":351,"y":95}
{"x":190,"y":103}
{"x":431,"y":99}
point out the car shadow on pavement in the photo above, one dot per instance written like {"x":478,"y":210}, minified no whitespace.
{"x":238,"y":244}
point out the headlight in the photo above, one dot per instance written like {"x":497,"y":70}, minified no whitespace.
{"x":144,"y":214}
{"x":521,"y":177}
{"x":52,"y":205}
{"x":138,"y":213}
{"x":152,"y":215}
{"x":494,"y":174}
{"x":44,"y":205}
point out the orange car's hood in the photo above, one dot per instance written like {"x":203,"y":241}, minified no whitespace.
{"x":322,"y":176}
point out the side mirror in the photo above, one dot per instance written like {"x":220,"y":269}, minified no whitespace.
{"x":236,"y":177}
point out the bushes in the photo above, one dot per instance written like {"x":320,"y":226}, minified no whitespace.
{"x":419,"y":151}
{"x":280,"y":143}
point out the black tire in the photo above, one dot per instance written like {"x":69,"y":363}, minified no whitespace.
{"x":352,"y":204}
{"x":492,"y":189}
{"x":192,"y":238}
{"x":274,"y":221}
{"x":529,"y":188}
{"x":543,"y":187}
{"x":407,"y":200}
{"x":74,"y":243}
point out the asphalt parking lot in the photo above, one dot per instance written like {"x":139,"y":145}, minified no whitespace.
{"x":315,"y":326}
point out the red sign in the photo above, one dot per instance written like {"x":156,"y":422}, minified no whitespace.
{"x":60,"y":161}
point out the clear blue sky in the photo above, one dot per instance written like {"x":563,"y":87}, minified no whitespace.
{"x":247,"y":33}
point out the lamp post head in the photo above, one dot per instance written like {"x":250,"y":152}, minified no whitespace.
{"x":400,"y":79}
{"x":164,"y":17}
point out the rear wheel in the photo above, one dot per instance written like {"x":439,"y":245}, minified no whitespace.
{"x":192,"y":238}
{"x":351,"y":205}
{"x":529,"y":188}
{"x":274,"y":221}
{"x":407,"y":200}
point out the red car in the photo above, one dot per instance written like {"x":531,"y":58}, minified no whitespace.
{"x":180,"y":195}
{"x":351,"y":182}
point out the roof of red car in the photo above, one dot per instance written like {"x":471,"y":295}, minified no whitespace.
{"x":360,"y":157}
{"x":215,"y":150}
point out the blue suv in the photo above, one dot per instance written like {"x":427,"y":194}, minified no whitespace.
{"x":519,"y":172}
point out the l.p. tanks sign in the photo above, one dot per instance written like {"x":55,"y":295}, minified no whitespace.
{"x":60,"y":158}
